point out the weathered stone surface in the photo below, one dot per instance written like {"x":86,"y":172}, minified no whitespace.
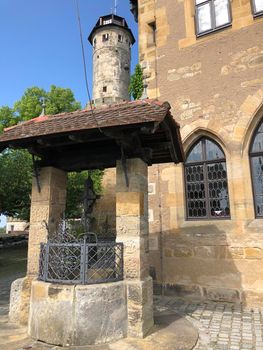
{"x":222,"y":294}
{"x":78,"y":315}
{"x":182,"y":252}
{"x":20,"y":300}
{"x":111,"y":84}
{"x":182,"y":290}
{"x":253,"y":253}
{"x":15,"y":300}
{"x":47,"y":205}
{"x":235,"y":253}
{"x":130,"y":203}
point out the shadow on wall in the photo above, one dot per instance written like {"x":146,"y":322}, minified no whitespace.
{"x":200,"y":263}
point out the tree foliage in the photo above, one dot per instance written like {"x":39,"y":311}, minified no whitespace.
{"x":7,"y":118}
{"x":136,"y":84}
{"x":57,"y":100}
{"x":16,"y":165}
{"x":15,"y":183}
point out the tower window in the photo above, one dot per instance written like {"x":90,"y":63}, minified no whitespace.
{"x":107,"y":21}
{"x":94,"y":42}
{"x":120,"y":38}
{"x":104,"y":89}
{"x":105,"y":37}
{"x":152,"y":34}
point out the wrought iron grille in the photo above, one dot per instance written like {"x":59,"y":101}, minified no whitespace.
{"x":206,"y":182}
{"x":81,"y":262}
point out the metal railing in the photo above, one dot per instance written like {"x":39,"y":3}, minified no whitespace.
{"x":81,"y":262}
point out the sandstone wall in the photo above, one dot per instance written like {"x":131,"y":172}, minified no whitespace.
{"x":215,"y":87}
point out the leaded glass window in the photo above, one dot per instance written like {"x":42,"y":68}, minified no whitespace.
{"x":206,"y":181}
{"x":212,"y":15}
{"x":256,"y":162}
{"x":257,"y":6}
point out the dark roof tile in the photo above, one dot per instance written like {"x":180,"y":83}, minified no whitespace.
{"x":134,"y":112}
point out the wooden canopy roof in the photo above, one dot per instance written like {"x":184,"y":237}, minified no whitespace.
{"x":91,"y":139}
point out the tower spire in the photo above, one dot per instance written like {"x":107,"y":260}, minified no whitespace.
{"x":115,"y":7}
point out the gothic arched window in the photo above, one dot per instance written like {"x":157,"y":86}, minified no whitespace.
{"x":256,"y":161}
{"x":206,"y":181}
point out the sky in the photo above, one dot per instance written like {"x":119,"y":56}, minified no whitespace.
{"x":40,"y":45}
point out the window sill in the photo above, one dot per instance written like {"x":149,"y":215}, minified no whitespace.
{"x":206,"y":226}
{"x":257,"y":15}
{"x":218,"y":218}
{"x":199,"y":35}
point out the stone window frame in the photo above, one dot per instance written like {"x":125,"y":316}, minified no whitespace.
{"x":152,"y":32}
{"x":205,"y":164}
{"x":254,"y":11}
{"x":213,"y":20}
{"x":253,"y":155}
{"x":190,"y":37}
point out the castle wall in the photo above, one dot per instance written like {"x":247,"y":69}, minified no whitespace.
{"x":215,"y":87}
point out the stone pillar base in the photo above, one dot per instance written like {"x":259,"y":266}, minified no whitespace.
{"x":20,"y":301}
{"x":140,"y":307}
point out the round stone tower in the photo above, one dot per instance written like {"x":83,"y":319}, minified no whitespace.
{"x":111,"y":39}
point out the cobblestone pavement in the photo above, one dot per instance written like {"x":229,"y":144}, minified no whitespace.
{"x":221,"y":326}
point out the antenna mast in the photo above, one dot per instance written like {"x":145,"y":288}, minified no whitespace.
{"x":115,"y":6}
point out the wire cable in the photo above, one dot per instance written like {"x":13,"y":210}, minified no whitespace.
{"x":84,"y":63}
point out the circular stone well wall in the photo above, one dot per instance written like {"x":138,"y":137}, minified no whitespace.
{"x":78,"y":315}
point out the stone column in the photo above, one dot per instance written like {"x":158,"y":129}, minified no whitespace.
{"x":132,"y":230}
{"x":47,"y":205}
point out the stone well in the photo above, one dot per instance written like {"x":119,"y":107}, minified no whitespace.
{"x":78,"y":314}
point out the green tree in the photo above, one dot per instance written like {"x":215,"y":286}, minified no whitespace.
{"x":16,"y":165}
{"x":7,"y":118}
{"x":15,"y":183}
{"x":57,"y":100}
{"x":136,"y":84}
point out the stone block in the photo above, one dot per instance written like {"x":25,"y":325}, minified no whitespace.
{"x":235,"y":253}
{"x":222,"y":294}
{"x":20,"y":300}
{"x":253,"y":297}
{"x":47,"y":205}
{"x":140,"y":292}
{"x":15,"y":301}
{"x":78,"y":315}
{"x":136,"y":168}
{"x":253,"y":253}
{"x":182,"y":252}
{"x":108,"y":303}
{"x":182,"y":290}
{"x":140,"y":307}
{"x":130,"y":204}
{"x":168,"y":253}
